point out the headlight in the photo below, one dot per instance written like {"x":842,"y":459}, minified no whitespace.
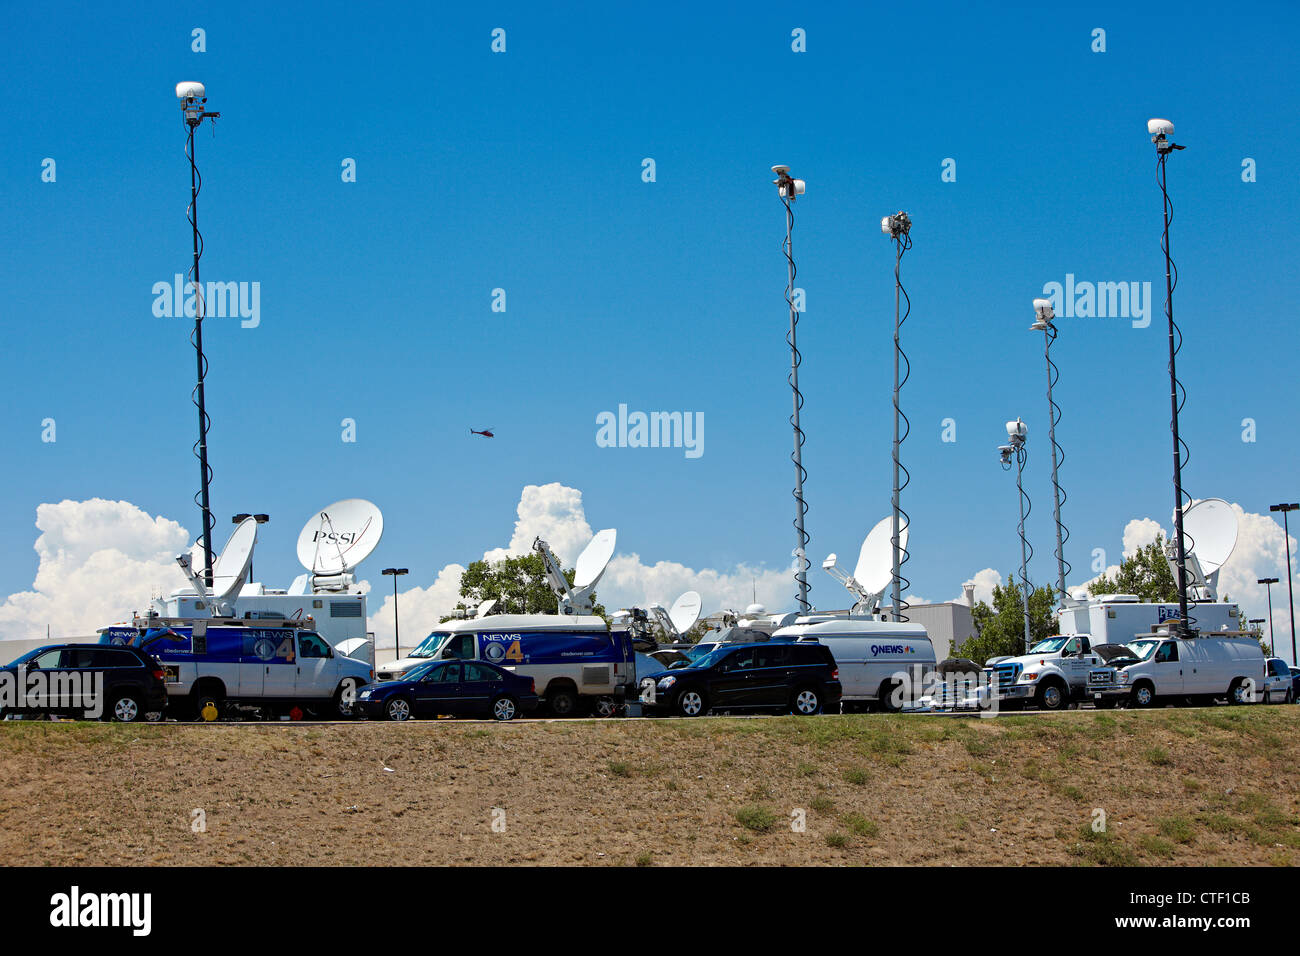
{"x":666,"y":682}
{"x":1029,"y":676}
{"x":365,"y":694}
{"x":1123,"y":677}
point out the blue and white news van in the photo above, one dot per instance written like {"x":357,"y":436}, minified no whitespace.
{"x":883,"y":664}
{"x":217,"y":666}
{"x":572,"y":659}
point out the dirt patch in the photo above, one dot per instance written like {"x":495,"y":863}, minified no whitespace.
{"x":1205,"y":786}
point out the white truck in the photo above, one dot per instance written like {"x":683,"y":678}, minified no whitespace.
{"x":1054,"y":673}
{"x":1165,"y":669}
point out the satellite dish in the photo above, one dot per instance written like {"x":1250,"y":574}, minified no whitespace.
{"x":486,"y":607}
{"x":875,"y":569}
{"x":594,"y":559}
{"x":350,"y":646}
{"x":338,"y":538}
{"x":1210,"y":530}
{"x":231,"y":566}
{"x":685,"y":611}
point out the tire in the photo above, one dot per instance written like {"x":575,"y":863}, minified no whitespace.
{"x":341,"y":709}
{"x":562,"y":702}
{"x":126,"y":709}
{"x":1143,"y":695}
{"x":691,"y":703}
{"x":885,"y":701}
{"x":1051,"y":696}
{"x":1236,"y":693}
{"x":806,"y":702}
{"x":505,"y":707}
{"x":398,"y":709}
{"x":1290,"y":697}
{"x":207,"y":707}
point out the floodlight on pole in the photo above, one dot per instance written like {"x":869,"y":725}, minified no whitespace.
{"x":194,"y":107}
{"x":899,"y":227}
{"x":1044,"y":323}
{"x":789,"y":189}
{"x":1014,"y":450}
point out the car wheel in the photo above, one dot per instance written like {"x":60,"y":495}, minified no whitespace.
{"x":1050,"y":696}
{"x":1290,"y":697}
{"x":398,"y":708}
{"x":1237,"y":692}
{"x":126,"y":709}
{"x":504,"y":708}
{"x":562,"y":702}
{"x":1143,"y":695}
{"x":345,"y":698}
{"x":806,"y":702}
{"x":885,"y":701}
{"x":690,"y":703}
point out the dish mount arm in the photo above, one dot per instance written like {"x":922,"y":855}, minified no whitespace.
{"x":572,"y":600}
{"x":866,"y":600}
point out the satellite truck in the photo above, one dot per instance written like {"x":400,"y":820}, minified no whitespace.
{"x":226,"y":651}
{"x":1071,"y":666}
{"x":575,"y":660}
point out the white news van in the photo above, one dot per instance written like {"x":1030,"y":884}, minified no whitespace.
{"x":1164,"y":669}
{"x":881,"y":662}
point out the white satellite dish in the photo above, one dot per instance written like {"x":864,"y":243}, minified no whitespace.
{"x":594,"y":559}
{"x":338,"y":538}
{"x":231,"y":566}
{"x":486,"y":607}
{"x":875,"y":568}
{"x":685,"y":611}
{"x":1210,"y":530}
{"x":350,"y":646}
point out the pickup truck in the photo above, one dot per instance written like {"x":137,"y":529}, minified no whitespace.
{"x":1052,"y":675}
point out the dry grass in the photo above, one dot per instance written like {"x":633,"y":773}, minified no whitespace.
{"x":1207,"y":786}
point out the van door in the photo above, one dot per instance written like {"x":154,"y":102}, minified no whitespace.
{"x":1167,"y":669}
{"x":459,"y":647}
{"x":280,"y":672}
{"x":315,"y":668}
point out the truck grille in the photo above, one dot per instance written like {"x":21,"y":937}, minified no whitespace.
{"x":1100,"y":678}
{"x":1006,"y":674}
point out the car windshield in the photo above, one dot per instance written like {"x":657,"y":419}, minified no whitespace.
{"x":713,"y":657}
{"x":1143,"y":650}
{"x":1049,"y":646}
{"x":429,"y":646}
{"x":26,"y":657}
{"x":418,"y":671}
{"x":697,"y":652}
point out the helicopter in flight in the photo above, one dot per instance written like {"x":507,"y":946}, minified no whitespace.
{"x":485,"y":432}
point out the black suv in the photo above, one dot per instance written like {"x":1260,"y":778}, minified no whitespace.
{"x":772,"y":676}
{"x":84,"y":680}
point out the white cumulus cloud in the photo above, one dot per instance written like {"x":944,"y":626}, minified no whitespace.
{"x":98,"y":561}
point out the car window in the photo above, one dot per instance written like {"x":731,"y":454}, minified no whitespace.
{"x":772,"y":657}
{"x":459,"y":647}
{"x":479,"y":673}
{"x":312,"y":645}
{"x":80,"y":657}
{"x":49,"y":659}
{"x":1168,"y":653}
{"x":446,"y":674}
{"x":738,"y":660}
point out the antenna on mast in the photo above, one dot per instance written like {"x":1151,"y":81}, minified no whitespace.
{"x":899,"y":227}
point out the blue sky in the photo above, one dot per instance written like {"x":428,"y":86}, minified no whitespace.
{"x":522,"y":171}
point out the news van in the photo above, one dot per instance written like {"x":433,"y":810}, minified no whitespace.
{"x":215,"y":667}
{"x":1162,"y":669}
{"x":574,"y":660}
{"x":882,"y":664}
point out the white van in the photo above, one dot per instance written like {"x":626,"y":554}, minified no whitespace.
{"x":875,"y":658}
{"x":1163,"y":669}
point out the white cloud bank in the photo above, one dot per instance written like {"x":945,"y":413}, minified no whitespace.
{"x":98,"y":561}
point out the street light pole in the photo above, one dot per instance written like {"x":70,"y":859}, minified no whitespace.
{"x":395,"y":573}
{"x":1286,"y":532}
{"x":1268,"y":585}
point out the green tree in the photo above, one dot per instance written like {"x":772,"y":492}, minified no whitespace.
{"x":1000,"y":629}
{"x":519,"y":585}
{"x":1145,"y":574}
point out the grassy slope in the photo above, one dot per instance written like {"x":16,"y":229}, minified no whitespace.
{"x":1213,"y":785}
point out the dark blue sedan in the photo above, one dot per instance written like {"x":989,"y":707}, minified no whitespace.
{"x":450,"y":688}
